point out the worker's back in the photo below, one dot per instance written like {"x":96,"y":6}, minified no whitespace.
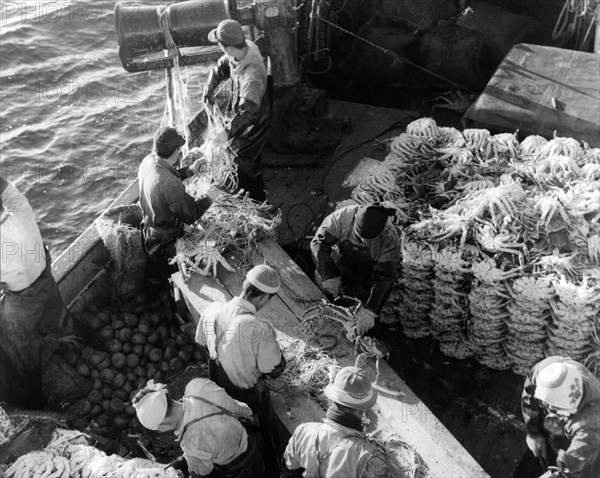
{"x":332,"y":450}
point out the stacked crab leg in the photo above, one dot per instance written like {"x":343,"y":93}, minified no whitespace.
{"x":529,"y":315}
{"x":574,"y":311}
{"x":487,"y":328}
{"x":416,"y":288}
{"x":448,"y":315}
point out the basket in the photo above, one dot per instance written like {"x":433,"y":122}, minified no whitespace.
{"x":120,"y":231}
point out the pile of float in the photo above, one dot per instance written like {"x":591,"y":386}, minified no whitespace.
{"x":500,"y":241}
{"x":68,"y":455}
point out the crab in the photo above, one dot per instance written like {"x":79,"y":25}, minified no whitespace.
{"x":487,"y":272}
{"x":549,"y":207}
{"x":562,"y":146}
{"x":528,"y":288}
{"x":490,"y":241}
{"x":557,"y":167}
{"x":449,"y":259}
{"x":576,"y":295}
{"x":590,"y":172}
{"x":424,"y":128}
{"x":533,"y":145}
{"x":499,"y":202}
{"x":504,"y":146}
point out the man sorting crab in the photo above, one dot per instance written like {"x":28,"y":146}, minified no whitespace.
{"x":356,"y":253}
{"x":561,"y":409}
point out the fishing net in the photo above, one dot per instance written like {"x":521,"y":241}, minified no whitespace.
{"x":119,"y":229}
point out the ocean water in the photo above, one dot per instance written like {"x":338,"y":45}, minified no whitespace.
{"x":74,"y":125}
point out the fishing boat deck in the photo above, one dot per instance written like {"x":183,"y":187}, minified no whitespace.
{"x":398,"y":409}
{"x":479,"y":406}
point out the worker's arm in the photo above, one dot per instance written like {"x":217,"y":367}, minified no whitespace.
{"x":269,"y":358}
{"x":384,"y":277}
{"x":219,"y":73}
{"x":321,"y":248}
{"x":181,"y":204}
{"x":291,"y":464}
{"x":584,"y":450}
{"x":247,"y":111}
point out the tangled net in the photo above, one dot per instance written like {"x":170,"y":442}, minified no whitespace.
{"x":219,"y":170}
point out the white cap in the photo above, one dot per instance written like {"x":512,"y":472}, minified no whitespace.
{"x":152,"y":409}
{"x":560,"y":385}
{"x":264,"y":278}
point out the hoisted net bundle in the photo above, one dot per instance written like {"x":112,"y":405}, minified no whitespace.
{"x":120,"y":232}
{"x":403,"y":461}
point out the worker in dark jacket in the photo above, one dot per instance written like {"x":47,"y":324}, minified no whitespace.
{"x":214,"y":431}
{"x":248,"y":108}
{"x":31,"y":307}
{"x":356,"y":253}
{"x":166,"y":207}
{"x":337,"y":447}
{"x":561,"y":409}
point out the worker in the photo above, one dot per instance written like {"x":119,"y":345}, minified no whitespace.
{"x":337,"y":447}
{"x":244,"y":352}
{"x":214,"y":431}
{"x":164,"y":202}
{"x":248,"y":106}
{"x":561,"y":409}
{"x":356,"y":253}
{"x":31,"y":307}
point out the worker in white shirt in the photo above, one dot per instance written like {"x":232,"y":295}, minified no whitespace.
{"x":244,"y":352}
{"x":337,"y":447}
{"x":214,"y":431}
{"x":30,"y":304}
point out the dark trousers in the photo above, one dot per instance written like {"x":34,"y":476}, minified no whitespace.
{"x":26,"y":317}
{"x":258,"y":399}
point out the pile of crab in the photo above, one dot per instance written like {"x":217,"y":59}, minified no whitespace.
{"x":518,"y":219}
{"x":415,"y":286}
{"x":450,"y":311}
{"x":233,"y":224}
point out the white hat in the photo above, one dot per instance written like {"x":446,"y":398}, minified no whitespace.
{"x":560,"y":385}
{"x":264,"y":278}
{"x":352,"y":388}
{"x":151,"y":409}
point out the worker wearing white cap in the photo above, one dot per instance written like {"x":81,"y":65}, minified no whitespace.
{"x":213,"y":429}
{"x":337,"y":448}
{"x":244,"y":351}
{"x":561,"y":409}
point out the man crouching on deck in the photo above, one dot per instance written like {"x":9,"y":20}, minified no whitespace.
{"x":356,"y":253}
{"x":244,"y":350}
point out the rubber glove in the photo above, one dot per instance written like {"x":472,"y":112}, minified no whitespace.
{"x":537,"y":445}
{"x":332,"y":286}
{"x":365,"y":321}
{"x":212,"y":194}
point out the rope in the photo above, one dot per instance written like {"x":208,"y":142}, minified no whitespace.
{"x":181,"y":100}
{"x":571,"y":17}
{"x":395,"y":56}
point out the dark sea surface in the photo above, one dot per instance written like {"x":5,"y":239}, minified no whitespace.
{"x":74,"y":125}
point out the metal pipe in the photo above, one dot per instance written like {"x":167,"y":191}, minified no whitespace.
{"x":170,"y":97}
